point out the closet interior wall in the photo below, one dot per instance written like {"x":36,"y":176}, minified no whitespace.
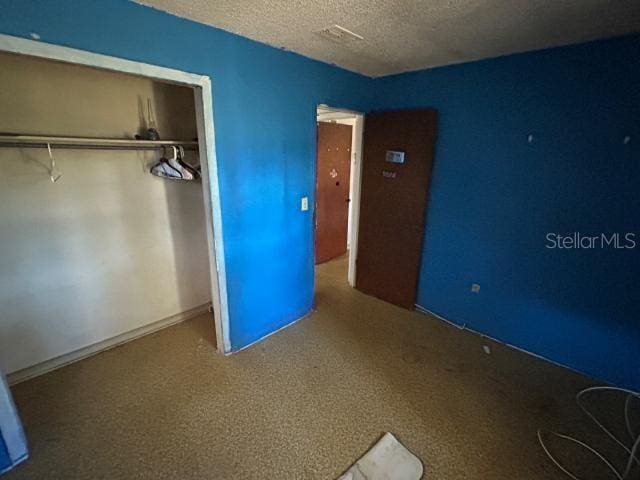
{"x":108,"y":248}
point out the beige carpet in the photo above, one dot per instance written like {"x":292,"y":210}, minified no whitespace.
{"x":303,"y":404}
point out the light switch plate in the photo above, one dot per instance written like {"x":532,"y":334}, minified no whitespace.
{"x":304,"y":204}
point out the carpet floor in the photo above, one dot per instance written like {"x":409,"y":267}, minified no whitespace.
{"x":304,"y":403}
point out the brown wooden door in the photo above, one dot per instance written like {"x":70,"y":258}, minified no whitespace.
{"x":393,"y":203}
{"x":333,"y":167}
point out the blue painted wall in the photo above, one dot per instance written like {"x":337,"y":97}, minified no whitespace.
{"x":264,"y":108}
{"x":494,"y":197}
{"x":5,"y":460}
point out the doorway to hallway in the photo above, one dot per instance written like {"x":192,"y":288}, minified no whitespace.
{"x":337,"y":202}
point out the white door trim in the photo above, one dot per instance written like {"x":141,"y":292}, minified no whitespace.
{"x":354,"y":205}
{"x":207,"y":151}
{"x":330,"y":113}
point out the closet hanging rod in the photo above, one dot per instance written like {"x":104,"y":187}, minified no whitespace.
{"x":41,"y":141}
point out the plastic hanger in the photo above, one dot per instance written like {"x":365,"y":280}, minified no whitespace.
{"x":175,"y":163}
{"x":54,"y":173}
{"x":162,"y":168}
{"x":190,"y":168}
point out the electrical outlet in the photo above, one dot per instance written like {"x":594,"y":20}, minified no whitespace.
{"x":475,"y":288}
{"x":304,"y":204}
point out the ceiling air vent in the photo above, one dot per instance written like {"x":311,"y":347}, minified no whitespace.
{"x":338,"y":34}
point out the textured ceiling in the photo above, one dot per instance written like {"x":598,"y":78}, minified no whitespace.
{"x":404,"y":35}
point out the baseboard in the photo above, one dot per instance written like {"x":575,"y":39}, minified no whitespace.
{"x":76,"y":355}
{"x":446,"y":320}
{"x":272,"y":333}
{"x":509,"y":345}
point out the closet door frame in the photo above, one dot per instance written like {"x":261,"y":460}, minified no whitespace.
{"x":201,"y":84}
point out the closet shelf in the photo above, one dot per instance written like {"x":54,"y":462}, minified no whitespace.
{"x":41,"y":141}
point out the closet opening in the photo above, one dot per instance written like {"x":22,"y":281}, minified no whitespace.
{"x":111,"y":225}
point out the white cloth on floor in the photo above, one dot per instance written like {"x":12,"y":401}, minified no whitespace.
{"x":386,"y":460}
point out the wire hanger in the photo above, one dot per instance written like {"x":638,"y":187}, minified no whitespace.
{"x":162,"y":168}
{"x":187,"y":166}
{"x":54,"y":173}
{"x":174,"y":168}
{"x":177,"y":163}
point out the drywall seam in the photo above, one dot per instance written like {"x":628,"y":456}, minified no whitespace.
{"x":82,"y":353}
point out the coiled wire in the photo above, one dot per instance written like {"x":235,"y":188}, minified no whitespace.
{"x":633,"y":451}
